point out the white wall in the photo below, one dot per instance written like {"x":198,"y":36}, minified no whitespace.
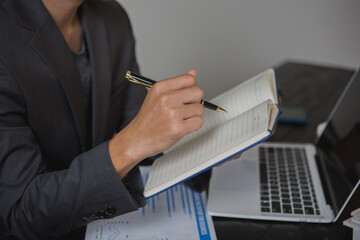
{"x":229,"y":41}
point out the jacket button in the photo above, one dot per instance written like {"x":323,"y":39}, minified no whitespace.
{"x":110,"y":211}
{"x":101,"y":214}
{"x":93,"y":217}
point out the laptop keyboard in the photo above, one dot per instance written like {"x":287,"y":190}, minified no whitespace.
{"x":286,"y":184}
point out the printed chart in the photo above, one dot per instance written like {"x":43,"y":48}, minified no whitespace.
{"x":178,"y":213}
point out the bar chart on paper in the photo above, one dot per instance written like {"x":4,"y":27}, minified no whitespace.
{"x":178,"y":213}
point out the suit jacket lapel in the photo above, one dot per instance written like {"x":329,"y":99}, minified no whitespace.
{"x":97,"y":39}
{"x":49,"y":43}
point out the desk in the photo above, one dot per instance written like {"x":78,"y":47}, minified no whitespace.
{"x":317,"y":89}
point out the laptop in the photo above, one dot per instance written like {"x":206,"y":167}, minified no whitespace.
{"x":296,"y":182}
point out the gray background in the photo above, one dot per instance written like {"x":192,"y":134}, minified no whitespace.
{"x":229,"y":41}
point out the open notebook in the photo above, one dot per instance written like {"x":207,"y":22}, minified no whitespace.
{"x":252,"y":112}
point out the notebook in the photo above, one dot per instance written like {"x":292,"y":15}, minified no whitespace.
{"x":252,"y":110}
{"x":296,"y":182}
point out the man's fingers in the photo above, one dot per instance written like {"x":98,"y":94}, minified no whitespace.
{"x":193,"y":72}
{"x":192,"y":124}
{"x":234,"y":157}
{"x":176,"y":83}
{"x":193,"y":110}
{"x":189,"y":95}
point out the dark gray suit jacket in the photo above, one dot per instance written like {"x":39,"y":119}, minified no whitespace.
{"x":50,"y":182}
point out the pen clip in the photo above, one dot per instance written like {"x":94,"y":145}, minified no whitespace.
{"x":132,"y":79}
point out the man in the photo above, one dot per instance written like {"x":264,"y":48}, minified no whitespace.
{"x":71,"y":132}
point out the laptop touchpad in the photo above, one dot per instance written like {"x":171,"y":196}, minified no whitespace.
{"x":235,"y":187}
{"x":239,"y":174}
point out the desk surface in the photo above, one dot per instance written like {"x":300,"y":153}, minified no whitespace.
{"x":316,"y":88}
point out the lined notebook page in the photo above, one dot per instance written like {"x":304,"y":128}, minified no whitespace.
{"x":210,"y":145}
{"x":236,"y":101}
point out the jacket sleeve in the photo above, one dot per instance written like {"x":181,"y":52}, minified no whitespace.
{"x":38,"y":204}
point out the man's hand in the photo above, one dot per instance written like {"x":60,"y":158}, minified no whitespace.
{"x":171,"y":110}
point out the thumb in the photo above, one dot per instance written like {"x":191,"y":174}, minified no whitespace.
{"x":193,"y":72}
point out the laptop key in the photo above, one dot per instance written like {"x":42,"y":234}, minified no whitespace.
{"x":273,"y":182}
{"x":293,"y":179}
{"x":286,"y":201}
{"x":285,"y":195}
{"x":275,"y":207}
{"x":287,"y":208}
{"x":296,"y":205}
{"x":298,"y":211}
{"x":263,"y":174}
{"x":284,"y":190}
{"x":272,"y":173}
{"x":303,"y":183}
{"x":295,"y":195}
{"x":309,"y":211}
{"x":283,"y":179}
{"x":265,"y":209}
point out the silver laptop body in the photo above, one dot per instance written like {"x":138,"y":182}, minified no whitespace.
{"x":295,"y":182}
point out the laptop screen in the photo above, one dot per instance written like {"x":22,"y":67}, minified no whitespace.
{"x":339,"y":145}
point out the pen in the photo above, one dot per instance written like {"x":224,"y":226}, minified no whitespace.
{"x":137,"y":78}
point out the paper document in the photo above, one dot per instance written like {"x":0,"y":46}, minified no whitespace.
{"x":178,"y":213}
